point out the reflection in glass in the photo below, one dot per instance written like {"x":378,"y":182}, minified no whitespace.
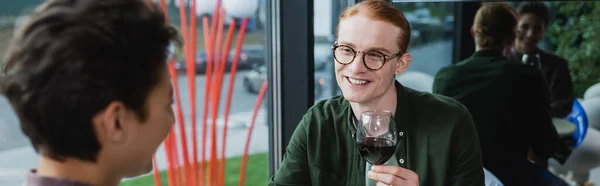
{"x":432,"y":36}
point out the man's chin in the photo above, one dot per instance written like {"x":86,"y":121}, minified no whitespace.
{"x":354,"y":98}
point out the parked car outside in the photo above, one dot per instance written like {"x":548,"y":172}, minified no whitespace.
{"x":254,"y":79}
{"x":201,"y":63}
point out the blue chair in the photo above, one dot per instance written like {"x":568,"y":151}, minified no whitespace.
{"x":579,"y":118}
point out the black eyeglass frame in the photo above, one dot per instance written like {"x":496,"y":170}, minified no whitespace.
{"x":386,"y":58}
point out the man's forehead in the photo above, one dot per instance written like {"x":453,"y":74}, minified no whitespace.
{"x":530,"y":17}
{"x":362,"y":32}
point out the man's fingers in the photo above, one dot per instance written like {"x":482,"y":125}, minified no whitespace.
{"x":383,"y":184}
{"x":395,"y":170}
{"x":383,"y":178}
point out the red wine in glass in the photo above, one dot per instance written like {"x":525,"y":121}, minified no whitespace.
{"x":375,"y":136}
{"x":376,"y":150}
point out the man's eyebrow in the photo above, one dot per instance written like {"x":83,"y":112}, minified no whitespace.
{"x":379,"y":49}
{"x":345,"y":43}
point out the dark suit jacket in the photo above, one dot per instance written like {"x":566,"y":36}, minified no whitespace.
{"x":556,"y":72}
{"x":510,"y":106}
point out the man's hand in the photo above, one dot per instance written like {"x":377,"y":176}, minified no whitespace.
{"x":393,"y":175}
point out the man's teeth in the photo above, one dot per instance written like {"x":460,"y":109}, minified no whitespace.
{"x":357,"y":81}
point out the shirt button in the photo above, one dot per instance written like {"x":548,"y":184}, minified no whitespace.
{"x":401,"y":133}
{"x":401,"y":161}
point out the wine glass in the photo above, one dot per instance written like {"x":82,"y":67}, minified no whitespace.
{"x":531,"y":59}
{"x":376,"y":136}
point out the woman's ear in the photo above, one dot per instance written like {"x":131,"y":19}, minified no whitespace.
{"x":109,"y":124}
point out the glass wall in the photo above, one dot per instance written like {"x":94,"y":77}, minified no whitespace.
{"x":324,"y":30}
{"x":17,"y":157}
{"x":432,"y":36}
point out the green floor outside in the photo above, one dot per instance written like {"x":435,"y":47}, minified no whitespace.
{"x":257,"y":172}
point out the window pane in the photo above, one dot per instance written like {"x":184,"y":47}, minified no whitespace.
{"x":431,"y":42}
{"x":326,"y":13}
{"x":17,"y":156}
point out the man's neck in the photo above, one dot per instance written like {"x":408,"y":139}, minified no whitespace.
{"x":387,"y":101}
{"x":523,"y":50}
{"x":76,"y":170}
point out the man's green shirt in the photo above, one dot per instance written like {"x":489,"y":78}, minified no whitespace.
{"x":436,"y":139}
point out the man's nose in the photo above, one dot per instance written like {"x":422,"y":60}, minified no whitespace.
{"x":529,"y":33}
{"x":357,"y":65}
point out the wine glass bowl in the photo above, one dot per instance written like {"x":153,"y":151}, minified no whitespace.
{"x":376,"y":136}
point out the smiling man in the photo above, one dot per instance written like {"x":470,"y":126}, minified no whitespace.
{"x":437,"y":140}
{"x":91,"y":91}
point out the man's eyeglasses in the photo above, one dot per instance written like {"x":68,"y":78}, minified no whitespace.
{"x":373,"y":60}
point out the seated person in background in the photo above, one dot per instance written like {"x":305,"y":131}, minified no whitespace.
{"x":91,"y":91}
{"x":437,"y":141}
{"x":508,"y":101}
{"x":532,"y":25}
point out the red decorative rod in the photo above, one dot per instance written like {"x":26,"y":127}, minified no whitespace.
{"x":189,"y":67}
{"x":155,"y":171}
{"x":261,"y":96}
{"x":170,"y":163}
{"x":191,"y":75}
{"x":225,"y":55}
{"x":212,"y":174}
{"x":236,"y":57}
{"x":207,"y":87}
{"x":166,"y":142}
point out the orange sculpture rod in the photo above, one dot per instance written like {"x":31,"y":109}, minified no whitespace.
{"x":183,"y":20}
{"x":182,"y":131}
{"x":173,"y":136}
{"x":166,"y":142}
{"x":215,"y":21}
{"x":209,"y":69}
{"x":261,"y":96}
{"x":212,"y":174}
{"x":180,"y":120}
{"x":222,"y":68}
{"x":170,"y":164}
{"x":171,"y":141}
{"x":208,"y":50}
{"x":192,"y":91}
{"x":163,"y":5}
{"x":236,"y":57}
{"x":155,"y":171}
{"x":175,"y":155}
